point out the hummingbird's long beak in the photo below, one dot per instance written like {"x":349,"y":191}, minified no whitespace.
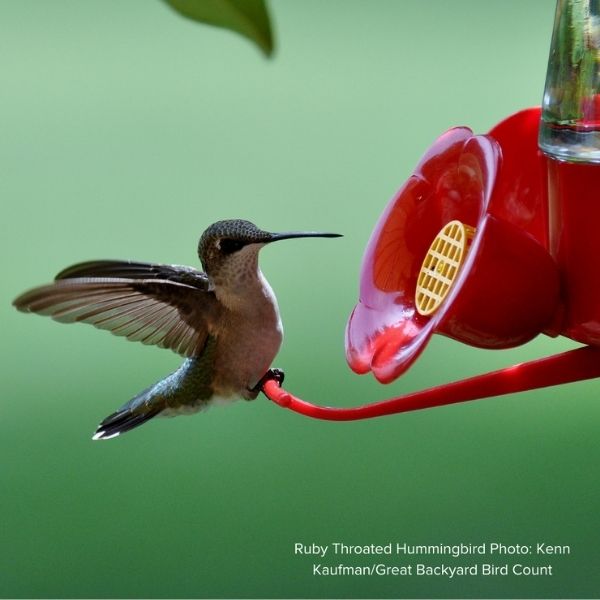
{"x":288,"y":235}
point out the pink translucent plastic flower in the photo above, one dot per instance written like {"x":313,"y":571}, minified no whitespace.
{"x":493,"y":183}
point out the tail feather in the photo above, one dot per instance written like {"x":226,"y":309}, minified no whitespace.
{"x":136,"y":412}
{"x":183,"y":388}
{"x":121,"y":421}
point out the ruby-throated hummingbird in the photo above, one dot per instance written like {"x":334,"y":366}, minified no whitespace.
{"x":225,"y":321}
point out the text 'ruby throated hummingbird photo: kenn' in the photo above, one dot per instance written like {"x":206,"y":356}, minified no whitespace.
{"x":225,"y":321}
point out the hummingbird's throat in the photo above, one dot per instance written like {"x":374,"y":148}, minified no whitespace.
{"x":238,"y":277}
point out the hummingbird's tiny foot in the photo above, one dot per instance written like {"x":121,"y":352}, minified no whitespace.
{"x":277,"y":374}
{"x":272,"y":374}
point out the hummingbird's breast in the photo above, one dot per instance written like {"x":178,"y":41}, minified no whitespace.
{"x":248,"y":339}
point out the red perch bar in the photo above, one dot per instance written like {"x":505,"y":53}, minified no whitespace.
{"x":568,"y":367}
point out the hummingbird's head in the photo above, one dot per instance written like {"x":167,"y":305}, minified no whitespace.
{"x":228,"y":250}
{"x":227,"y":244}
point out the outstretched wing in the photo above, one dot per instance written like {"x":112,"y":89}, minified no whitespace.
{"x":169,"y":306}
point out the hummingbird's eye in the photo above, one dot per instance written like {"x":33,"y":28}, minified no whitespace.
{"x":228,"y":246}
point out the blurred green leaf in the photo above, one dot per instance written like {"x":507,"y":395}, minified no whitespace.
{"x":247,"y":17}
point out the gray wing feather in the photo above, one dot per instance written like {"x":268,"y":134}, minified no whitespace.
{"x":136,"y":270}
{"x":164,"y":312}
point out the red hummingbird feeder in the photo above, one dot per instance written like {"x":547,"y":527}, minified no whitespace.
{"x":491,"y":241}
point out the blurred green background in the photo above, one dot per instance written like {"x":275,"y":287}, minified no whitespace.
{"x":125,"y":131}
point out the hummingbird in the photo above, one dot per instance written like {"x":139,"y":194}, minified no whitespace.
{"x":225,"y":321}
